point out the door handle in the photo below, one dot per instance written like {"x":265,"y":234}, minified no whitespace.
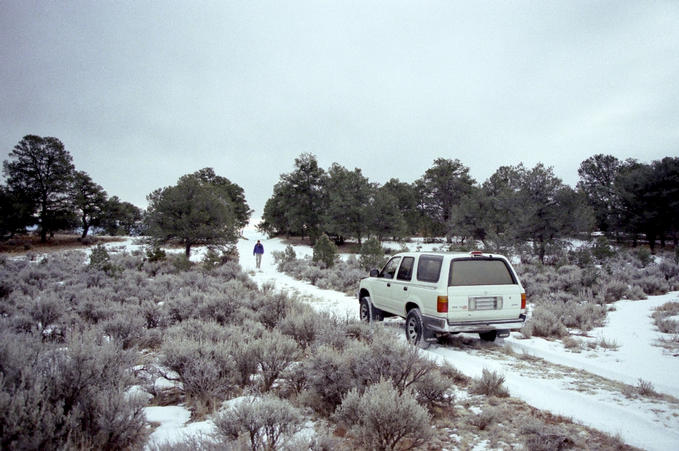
{"x":405,"y":288}
{"x":388,"y":284}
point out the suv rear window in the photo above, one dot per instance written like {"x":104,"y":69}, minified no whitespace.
{"x":479,"y":272}
{"x":429,"y":268}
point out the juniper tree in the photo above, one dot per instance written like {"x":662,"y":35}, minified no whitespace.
{"x":298,"y":200}
{"x":195,"y":211}
{"x":120,"y":218}
{"x":386,"y":218}
{"x":597,"y":182}
{"x":440,"y":188}
{"x":348,"y":195}
{"x":89,"y":200}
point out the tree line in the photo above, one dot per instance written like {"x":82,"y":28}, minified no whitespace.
{"x":44,"y":189}
{"x":516,"y":204}
{"x":623,"y":199}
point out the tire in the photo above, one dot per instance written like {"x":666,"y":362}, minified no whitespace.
{"x":415,"y":332}
{"x":364,"y":311}
{"x":488,"y":336}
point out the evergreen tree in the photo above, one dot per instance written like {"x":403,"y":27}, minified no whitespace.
{"x":666,"y":177}
{"x":372,"y":254}
{"x":347,"y":195}
{"x":40,"y":169}
{"x":89,"y":200}
{"x":194,"y":211}
{"x":120,"y":218}
{"x":325,"y":251}
{"x":597,"y":182}
{"x":386,"y":217}
{"x":228,"y":190}
{"x":441,"y":188}
{"x":275,"y":218}
{"x":16,"y":212}
{"x":549,"y":209}
{"x":406,"y":200}
{"x":298,"y":201}
{"x":648,"y":195}
{"x":470,"y":218}
{"x":503,"y":206}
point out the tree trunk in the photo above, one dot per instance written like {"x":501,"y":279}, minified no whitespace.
{"x":86,"y":227}
{"x":188,"y":249}
{"x":541,"y":252}
{"x":651,"y":241}
{"x":43,"y":219}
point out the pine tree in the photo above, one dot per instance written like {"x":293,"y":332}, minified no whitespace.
{"x":40,"y":169}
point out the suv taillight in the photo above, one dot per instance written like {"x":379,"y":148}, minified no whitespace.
{"x":442,"y":304}
{"x":523,"y":301}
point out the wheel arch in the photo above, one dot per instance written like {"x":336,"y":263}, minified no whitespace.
{"x":363,"y":292}
{"x":411,"y":305}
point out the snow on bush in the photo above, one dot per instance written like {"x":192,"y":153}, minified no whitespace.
{"x":264,"y":423}
{"x":571,"y":297}
{"x":67,"y":397}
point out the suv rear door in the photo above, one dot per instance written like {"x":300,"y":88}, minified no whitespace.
{"x":399,"y":294}
{"x":482,"y":288}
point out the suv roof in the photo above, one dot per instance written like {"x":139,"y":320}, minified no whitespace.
{"x":451,"y":254}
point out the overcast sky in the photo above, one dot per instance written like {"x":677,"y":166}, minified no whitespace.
{"x":142,"y":93}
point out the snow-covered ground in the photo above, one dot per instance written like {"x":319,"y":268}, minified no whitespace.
{"x":583,"y":386}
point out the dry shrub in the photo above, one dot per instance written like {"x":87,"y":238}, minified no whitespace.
{"x":490,"y":384}
{"x":206,"y":370}
{"x":544,"y":323}
{"x":302,"y":324}
{"x":265,"y":423}
{"x":541,"y":437}
{"x":646,"y":388}
{"x":661,"y":317}
{"x":274,"y":353}
{"x":72,"y":397}
{"x":486,"y":418}
{"x":383,"y":418}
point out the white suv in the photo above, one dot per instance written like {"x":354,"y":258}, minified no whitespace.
{"x":440,"y":293}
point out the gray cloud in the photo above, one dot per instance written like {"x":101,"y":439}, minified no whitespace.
{"x":141,"y":94}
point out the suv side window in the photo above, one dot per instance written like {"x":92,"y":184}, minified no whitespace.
{"x":429,"y":268}
{"x":390,"y":268}
{"x":405,"y":272}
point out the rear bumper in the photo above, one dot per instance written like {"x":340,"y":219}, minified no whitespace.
{"x":442,"y":325}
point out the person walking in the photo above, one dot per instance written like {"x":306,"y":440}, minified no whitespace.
{"x":257,"y":252}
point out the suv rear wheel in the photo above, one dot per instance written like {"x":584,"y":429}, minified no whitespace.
{"x":415,"y":331}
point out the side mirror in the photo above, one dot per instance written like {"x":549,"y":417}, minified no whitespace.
{"x":374,"y":272}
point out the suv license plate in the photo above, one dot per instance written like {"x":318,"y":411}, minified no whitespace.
{"x":485,"y":303}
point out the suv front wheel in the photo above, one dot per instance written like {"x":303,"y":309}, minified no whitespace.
{"x":415,"y":331}
{"x":366,"y":308}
